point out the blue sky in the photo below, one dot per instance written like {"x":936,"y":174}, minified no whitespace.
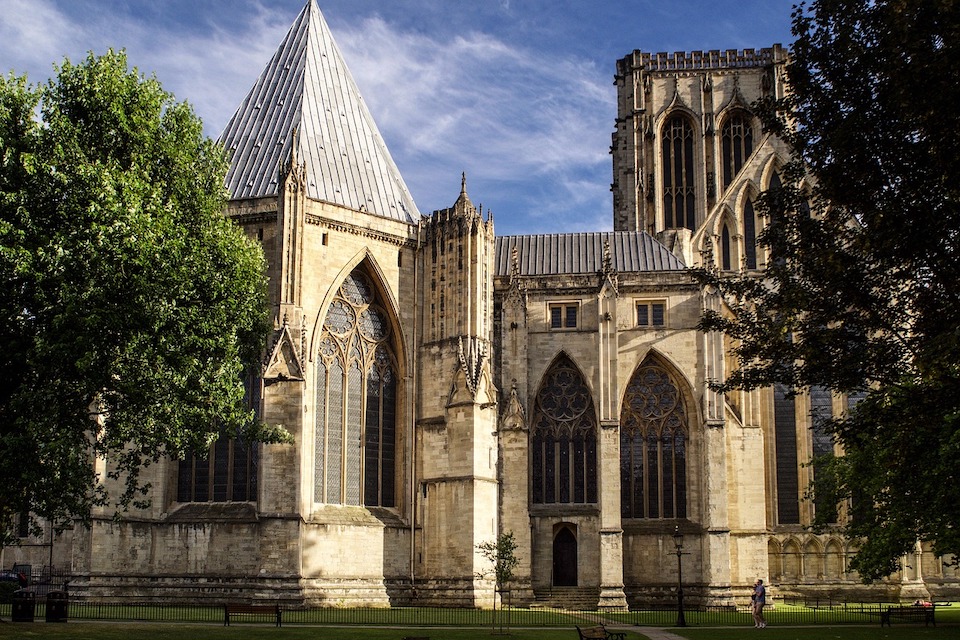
{"x":517,"y":93}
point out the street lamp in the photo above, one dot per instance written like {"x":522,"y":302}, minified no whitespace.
{"x":678,"y":543}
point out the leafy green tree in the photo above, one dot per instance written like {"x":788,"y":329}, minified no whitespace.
{"x":131,"y":307}
{"x":861,"y":294}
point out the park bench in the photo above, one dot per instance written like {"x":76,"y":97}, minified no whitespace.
{"x":600,"y":633}
{"x":912,"y":613}
{"x":236,"y":608}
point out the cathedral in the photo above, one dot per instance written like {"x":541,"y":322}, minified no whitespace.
{"x":444,"y":385}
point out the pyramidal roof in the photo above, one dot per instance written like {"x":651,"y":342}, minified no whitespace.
{"x":306,"y":97}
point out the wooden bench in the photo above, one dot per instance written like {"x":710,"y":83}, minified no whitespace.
{"x":236,"y":608}
{"x":600,"y":633}
{"x":914,"y":613}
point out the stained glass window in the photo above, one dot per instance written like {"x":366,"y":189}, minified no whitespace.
{"x":564,"y":438}
{"x":653,"y":432}
{"x":355,"y":431}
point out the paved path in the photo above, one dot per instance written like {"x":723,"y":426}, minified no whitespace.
{"x":655,"y":633}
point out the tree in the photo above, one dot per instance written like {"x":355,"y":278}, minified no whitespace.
{"x":127,"y":295}
{"x":861,"y":293}
{"x":502,"y":553}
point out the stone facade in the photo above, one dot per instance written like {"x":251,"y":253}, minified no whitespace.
{"x":443,"y":386}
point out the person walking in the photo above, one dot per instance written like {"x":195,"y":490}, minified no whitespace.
{"x":758,"y":600}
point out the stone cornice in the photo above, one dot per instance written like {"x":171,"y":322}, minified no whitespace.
{"x":380,"y":236}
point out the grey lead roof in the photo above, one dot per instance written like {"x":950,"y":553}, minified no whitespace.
{"x":306,"y":92}
{"x":570,"y":253}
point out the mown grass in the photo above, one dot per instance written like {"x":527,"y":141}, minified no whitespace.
{"x":172,"y":631}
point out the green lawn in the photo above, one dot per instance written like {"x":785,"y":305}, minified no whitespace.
{"x":175,"y":631}
{"x":75,"y":630}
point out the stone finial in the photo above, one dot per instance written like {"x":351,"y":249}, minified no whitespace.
{"x":463,"y":205}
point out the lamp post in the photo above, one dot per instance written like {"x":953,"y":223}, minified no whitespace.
{"x":678,"y":543}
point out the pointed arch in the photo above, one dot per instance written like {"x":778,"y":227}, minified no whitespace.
{"x":565,"y":555}
{"x":678,"y":162}
{"x":563,"y":437}
{"x":736,"y":142}
{"x":812,"y":560}
{"x":366,"y":261}
{"x":728,"y":239}
{"x":654,"y":432}
{"x":774,"y":559}
{"x":357,"y":394}
{"x":791,"y":558}
{"x":833,"y":560}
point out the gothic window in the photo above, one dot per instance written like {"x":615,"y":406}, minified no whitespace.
{"x":736,"y":145}
{"x":564,"y":438}
{"x":653,"y":439}
{"x":821,"y":411}
{"x":749,"y":235}
{"x":785,"y":440}
{"x":227,"y":473}
{"x":678,"y":174}
{"x":725,"y":261}
{"x":775,"y":217}
{"x":356,"y":401}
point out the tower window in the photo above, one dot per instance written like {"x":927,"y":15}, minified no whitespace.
{"x":737,"y":145}
{"x":679,"y":196}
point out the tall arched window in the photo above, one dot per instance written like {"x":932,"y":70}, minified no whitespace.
{"x":356,"y":401}
{"x":725,"y":261}
{"x":736,"y":141}
{"x":749,"y":235}
{"x":679,"y":195}
{"x":564,"y":438}
{"x":785,"y":441}
{"x":653,"y":436}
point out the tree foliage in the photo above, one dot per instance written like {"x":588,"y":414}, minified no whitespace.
{"x":131,"y":307}
{"x":861,"y":293}
{"x":502,"y":553}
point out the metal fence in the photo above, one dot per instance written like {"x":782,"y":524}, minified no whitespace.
{"x":780,"y":614}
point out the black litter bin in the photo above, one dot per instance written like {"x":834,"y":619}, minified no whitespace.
{"x":24,"y":606}
{"x":57,"y":606}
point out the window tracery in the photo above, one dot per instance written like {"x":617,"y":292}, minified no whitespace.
{"x":653,"y":437}
{"x":564,"y":438}
{"x":679,"y":195}
{"x":356,"y":398}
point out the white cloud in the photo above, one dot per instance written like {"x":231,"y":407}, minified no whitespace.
{"x":531,"y":129}
{"x":503,"y":113}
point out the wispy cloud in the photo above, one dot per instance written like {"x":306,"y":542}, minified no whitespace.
{"x":531,"y":129}
{"x":504,"y":114}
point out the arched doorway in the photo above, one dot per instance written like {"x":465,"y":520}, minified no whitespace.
{"x":565,"y":558}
